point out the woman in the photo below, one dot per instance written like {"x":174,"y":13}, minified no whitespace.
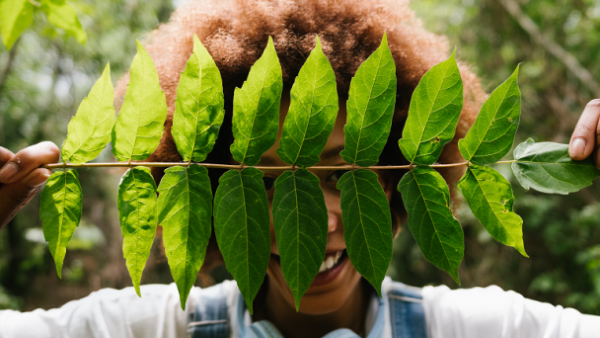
{"x":339,"y":303}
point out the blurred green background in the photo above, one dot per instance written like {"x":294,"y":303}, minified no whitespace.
{"x":46,"y":75}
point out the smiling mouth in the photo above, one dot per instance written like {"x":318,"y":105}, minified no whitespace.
{"x":331,"y":260}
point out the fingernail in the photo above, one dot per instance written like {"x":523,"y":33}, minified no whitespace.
{"x":37,"y":180}
{"x":8,"y":171}
{"x":577,"y":147}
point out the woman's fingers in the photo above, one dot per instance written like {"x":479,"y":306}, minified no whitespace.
{"x":5,"y":155}
{"x":584,"y":138}
{"x":16,"y":195}
{"x":27,"y":160}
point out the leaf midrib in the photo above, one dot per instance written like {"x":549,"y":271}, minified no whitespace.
{"x":361,"y":223}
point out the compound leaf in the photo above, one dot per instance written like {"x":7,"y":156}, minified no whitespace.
{"x":367,"y":224}
{"x":199,"y":106}
{"x":242,"y":227}
{"x":426,"y":198}
{"x":491,"y":199}
{"x":136,"y":201}
{"x":547,"y":167}
{"x":89,"y":131}
{"x":15,"y":17}
{"x":493,"y":132}
{"x":312,"y":113}
{"x":370,"y":107}
{"x":184,"y":212}
{"x":60,"y":211}
{"x":300,"y":220}
{"x":256,"y":109}
{"x":140,"y":123}
{"x":63,"y":15}
{"x":433,"y":113}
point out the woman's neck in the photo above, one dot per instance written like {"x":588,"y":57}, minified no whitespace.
{"x":273,"y":307}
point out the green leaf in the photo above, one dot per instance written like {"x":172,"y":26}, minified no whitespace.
{"x":136,"y":202}
{"x":433,"y":113}
{"x":256,"y":109}
{"x":493,"y":132}
{"x":367,"y":225}
{"x":242,"y":227}
{"x":199,"y":106}
{"x":63,"y":15}
{"x":547,"y":167}
{"x":312,"y":113}
{"x":60,"y":211}
{"x":184,"y":212}
{"x":491,"y":199}
{"x":426,"y":198}
{"x":15,"y":17}
{"x":301,"y":222}
{"x":89,"y":131}
{"x":370,"y":107}
{"x":140,"y":123}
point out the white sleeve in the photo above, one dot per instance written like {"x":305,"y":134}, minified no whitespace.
{"x":105,"y":313}
{"x":494,"y":313}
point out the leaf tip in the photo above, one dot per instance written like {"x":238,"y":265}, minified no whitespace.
{"x":137,"y":289}
{"x":318,"y":42}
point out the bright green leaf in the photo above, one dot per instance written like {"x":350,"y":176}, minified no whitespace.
{"x":491,"y":199}
{"x":15,"y":17}
{"x":136,"y":201}
{"x":426,"y":198}
{"x":367,"y":224}
{"x":547,"y":167}
{"x":199,"y":106}
{"x":63,"y":15}
{"x":493,"y":132}
{"x":60,"y":211}
{"x":371,"y":103}
{"x":184,"y":212}
{"x":242,"y":226}
{"x":300,"y":220}
{"x":312,"y":113}
{"x":89,"y":131}
{"x":256,"y":109}
{"x":433,"y":113}
{"x":140,"y":123}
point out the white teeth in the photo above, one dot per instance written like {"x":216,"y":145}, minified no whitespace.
{"x":330,"y":261}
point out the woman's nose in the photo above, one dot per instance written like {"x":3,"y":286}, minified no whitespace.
{"x":333,"y":221}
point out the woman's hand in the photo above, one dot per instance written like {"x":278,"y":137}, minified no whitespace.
{"x":586,"y":137}
{"x":21,"y":176}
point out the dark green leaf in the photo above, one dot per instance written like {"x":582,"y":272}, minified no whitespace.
{"x":370,"y":107}
{"x":493,"y":133}
{"x":547,"y":167}
{"x":439,"y":235}
{"x":312,"y":113}
{"x":184,"y":212}
{"x":242,"y":226}
{"x":434,"y":110}
{"x":140,"y":123}
{"x":15,"y":17}
{"x":256,"y":109}
{"x":60,"y":211}
{"x":301,"y":222}
{"x":367,"y":224}
{"x":136,"y":202}
{"x":491,"y":199}
{"x":63,"y":15}
{"x":199,"y":106}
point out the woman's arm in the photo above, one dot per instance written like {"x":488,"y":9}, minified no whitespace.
{"x":586,"y":137}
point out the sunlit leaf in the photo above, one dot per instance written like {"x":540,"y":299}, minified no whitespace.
{"x":89,"y":131}
{"x":300,"y":220}
{"x":493,"y":132}
{"x":491,"y":199}
{"x":184,"y":212}
{"x":199,"y":106}
{"x":312,"y":113}
{"x":140,"y":123}
{"x":15,"y":17}
{"x":242,"y":225}
{"x":256,"y":109}
{"x":60,"y":211}
{"x":63,"y":15}
{"x":370,"y":107}
{"x":426,"y":198}
{"x":547,"y":167}
{"x":136,"y":201}
{"x":433,"y":113}
{"x":367,"y":224}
